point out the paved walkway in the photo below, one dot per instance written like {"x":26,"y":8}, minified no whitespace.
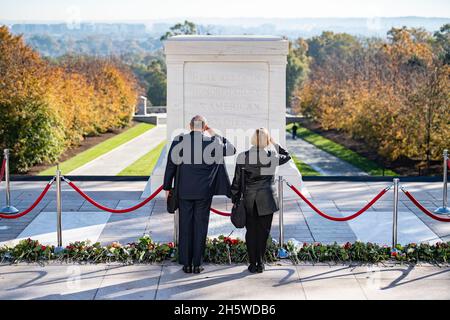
{"x":121,"y":157}
{"x":83,"y":221}
{"x":321,"y":161}
{"x":279,"y":281}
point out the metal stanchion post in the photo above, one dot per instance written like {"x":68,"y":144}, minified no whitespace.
{"x":281,"y":210}
{"x":176,"y":227}
{"x":282,"y":253}
{"x":58,"y":208}
{"x":395,"y":214}
{"x":444,"y":209}
{"x":9,"y":209}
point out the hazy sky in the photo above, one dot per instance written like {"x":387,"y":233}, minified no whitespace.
{"x":161,"y":9}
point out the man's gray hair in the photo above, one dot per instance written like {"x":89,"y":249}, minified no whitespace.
{"x":198,"y":122}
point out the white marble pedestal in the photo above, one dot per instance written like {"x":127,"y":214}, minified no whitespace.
{"x":237,"y":82}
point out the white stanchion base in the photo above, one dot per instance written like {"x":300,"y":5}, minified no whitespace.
{"x":9,"y":210}
{"x":442,"y":210}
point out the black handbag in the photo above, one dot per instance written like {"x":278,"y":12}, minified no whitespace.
{"x":238,"y":212}
{"x":172,"y":198}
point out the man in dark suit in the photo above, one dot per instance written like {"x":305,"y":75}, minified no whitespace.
{"x":202,"y":174}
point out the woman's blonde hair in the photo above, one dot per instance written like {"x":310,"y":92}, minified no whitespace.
{"x":261,"y":138}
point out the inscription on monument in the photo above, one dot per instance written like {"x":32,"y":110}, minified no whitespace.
{"x":231,"y":95}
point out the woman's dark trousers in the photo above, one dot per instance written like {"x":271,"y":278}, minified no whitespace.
{"x":258,"y":230}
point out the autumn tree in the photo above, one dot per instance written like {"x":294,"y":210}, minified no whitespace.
{"x":392,"y":94}
{"x":28,"y":124}
{"x":48,"y":106}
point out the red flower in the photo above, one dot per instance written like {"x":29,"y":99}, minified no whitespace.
{"x":171,"y":244}
{"x":347,"y":245}
{"x":43,"y":248}
{"x":394,"y":254}
{"x":234,"y":242}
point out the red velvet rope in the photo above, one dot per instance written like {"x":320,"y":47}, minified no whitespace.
{"x":98,"y":205}
{"x":423,"y":209}
{"x":220,"y":213}
{"x":39,"y":199}
{"x":356,"y":214}
{"x":2,"y":170}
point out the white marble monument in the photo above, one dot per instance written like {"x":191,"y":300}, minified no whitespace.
{"x":237,"y":82}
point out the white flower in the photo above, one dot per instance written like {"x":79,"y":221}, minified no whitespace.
{"x":297,"y":244}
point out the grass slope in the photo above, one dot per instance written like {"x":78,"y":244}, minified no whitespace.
{"x":341,"y":152}
{"x":304,"y":169}
{"x":144,"y":165}
{"x":98,"y":150}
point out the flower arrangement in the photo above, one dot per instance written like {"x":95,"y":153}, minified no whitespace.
{"x":224,"y":250}
{"x":27,"y":250}
{"x":227,"y":250}
{"x":369,"y":252}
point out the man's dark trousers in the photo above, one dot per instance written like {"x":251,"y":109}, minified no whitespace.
{"x":193,"y":230}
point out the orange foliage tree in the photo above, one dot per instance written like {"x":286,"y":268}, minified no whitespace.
{"x":392,"y":94}
{"x":47,"y":107}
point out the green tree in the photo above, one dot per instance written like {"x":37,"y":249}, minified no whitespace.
{"x":442,"y":38}
{"x":156,"y":80}
{"x":330,"y":44}
{"x":186,"y":27}
{"x":297,"y":67}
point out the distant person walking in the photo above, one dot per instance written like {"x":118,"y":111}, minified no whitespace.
{"x":199,"y":159}
{"x":257,"y":167}
{"x":294,"y":131}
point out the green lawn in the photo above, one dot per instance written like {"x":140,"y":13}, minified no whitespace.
{"x":98,"y":150}
{"x":341,"y":152}
{"x":144,"y":165}
{"x":304,"y":169}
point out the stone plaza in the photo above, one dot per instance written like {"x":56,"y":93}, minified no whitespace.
{"x":83,"y":221}
{"x":238,"y":83}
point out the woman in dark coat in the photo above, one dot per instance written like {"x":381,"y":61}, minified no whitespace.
{"x":259,"y":166}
